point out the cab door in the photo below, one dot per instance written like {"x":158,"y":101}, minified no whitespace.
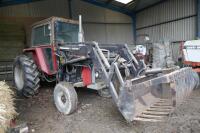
{"x":41,"y":42}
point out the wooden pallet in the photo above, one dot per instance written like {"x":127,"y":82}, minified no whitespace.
{"x":157,"y":112}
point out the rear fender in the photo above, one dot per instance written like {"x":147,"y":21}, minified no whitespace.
{"x":41,"y":60}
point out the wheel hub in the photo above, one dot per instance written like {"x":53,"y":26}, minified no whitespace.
{"x":62,"y":99}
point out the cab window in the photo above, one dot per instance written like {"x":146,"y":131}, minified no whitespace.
{"x":66,"y":32}
{"x":41,"y":35}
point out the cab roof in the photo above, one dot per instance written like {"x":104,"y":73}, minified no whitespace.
{"x":53,"y":19}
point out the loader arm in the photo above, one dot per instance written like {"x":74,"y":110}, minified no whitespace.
{"x":139,"y":94}
{"x":135,"y":96}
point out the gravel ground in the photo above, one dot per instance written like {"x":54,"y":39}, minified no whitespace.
{"x":99,"y":115}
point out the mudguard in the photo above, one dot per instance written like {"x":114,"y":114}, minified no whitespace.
{"x":44,"y":58}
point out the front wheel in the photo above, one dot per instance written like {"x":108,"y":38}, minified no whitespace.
{"x":65,"y":98}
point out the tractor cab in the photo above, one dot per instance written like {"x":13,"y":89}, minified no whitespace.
{"x":54,"y":30}
{"x":45,"y":35}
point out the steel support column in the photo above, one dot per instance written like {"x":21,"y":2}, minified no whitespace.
{"x":70,"y":8}
{"x":198,"y":19}
{"x":134,"y":26}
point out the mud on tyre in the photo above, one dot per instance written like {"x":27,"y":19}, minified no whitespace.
{"x":26,"y":76}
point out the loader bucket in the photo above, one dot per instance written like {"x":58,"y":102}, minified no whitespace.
{"x":150,"y":98}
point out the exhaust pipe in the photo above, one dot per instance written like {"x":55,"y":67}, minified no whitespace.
{"x":80,"y":33}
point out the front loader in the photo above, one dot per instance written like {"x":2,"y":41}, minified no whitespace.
{"x":59,"y":53}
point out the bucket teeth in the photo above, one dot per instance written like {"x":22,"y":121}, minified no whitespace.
{"x":158,"y":110}
{"x":156,"y":113}
{"x":147,"y":120}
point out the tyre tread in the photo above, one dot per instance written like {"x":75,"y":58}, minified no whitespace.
{"x":31,"y":77}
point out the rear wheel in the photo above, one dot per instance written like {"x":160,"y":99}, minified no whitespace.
{"x":26,"y":76}
{"x":65,"y":98}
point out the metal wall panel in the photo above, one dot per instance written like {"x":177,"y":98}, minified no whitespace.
{"x":175,"y":31}
{"x":119,"y":33}
{"x":112,"y":16}
{"x":44,"y":8}
{"x":169,"y":10}
{"x":147,"y":17}
{"x":100,"y":24}
{"x":103,"y":25}
{"x":12,"y":37}
{"x":94,"y":13}
{"x":174,"y":20}
{"x":90,"y":13}
{"x":20,"y":10}
{"x":108,"y":33}
{"x":153,"y":33}
{"x":93,"y":32}
{"x":179,"y":30}
{"x":174,"y":9}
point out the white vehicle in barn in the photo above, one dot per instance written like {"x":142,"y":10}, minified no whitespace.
{"x":191,"y":54}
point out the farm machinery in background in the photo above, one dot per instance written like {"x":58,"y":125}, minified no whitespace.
{"x":191,"y":54}
{"x":154,"y":55}
{"x":144,"y":49}
{"x":59,"y":53}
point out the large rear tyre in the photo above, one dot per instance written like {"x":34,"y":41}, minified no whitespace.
{"x":65,"y":98}
{"x":26,"y":76}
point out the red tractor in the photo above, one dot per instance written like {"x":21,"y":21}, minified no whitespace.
{"x":59,"y":53}
{"x":42,"y":65}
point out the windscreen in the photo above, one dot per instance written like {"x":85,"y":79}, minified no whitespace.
{"x":66,"y":32}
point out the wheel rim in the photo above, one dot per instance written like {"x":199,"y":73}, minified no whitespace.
{"x":19,"y":77}
{"x":63,"y":100}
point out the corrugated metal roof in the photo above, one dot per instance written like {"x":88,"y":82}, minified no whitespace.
{"x":134,"y":5}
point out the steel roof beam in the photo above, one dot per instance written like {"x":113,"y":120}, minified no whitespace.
{"x":4,"y":3}
{"x":109,"y":1}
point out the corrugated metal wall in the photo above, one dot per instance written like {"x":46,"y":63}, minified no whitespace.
{"x":44,"y":8}
{"x":27,"y":14}
{"x":100,"y":24}
{"x":173,"y":20}
{"x":12,"y":38}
